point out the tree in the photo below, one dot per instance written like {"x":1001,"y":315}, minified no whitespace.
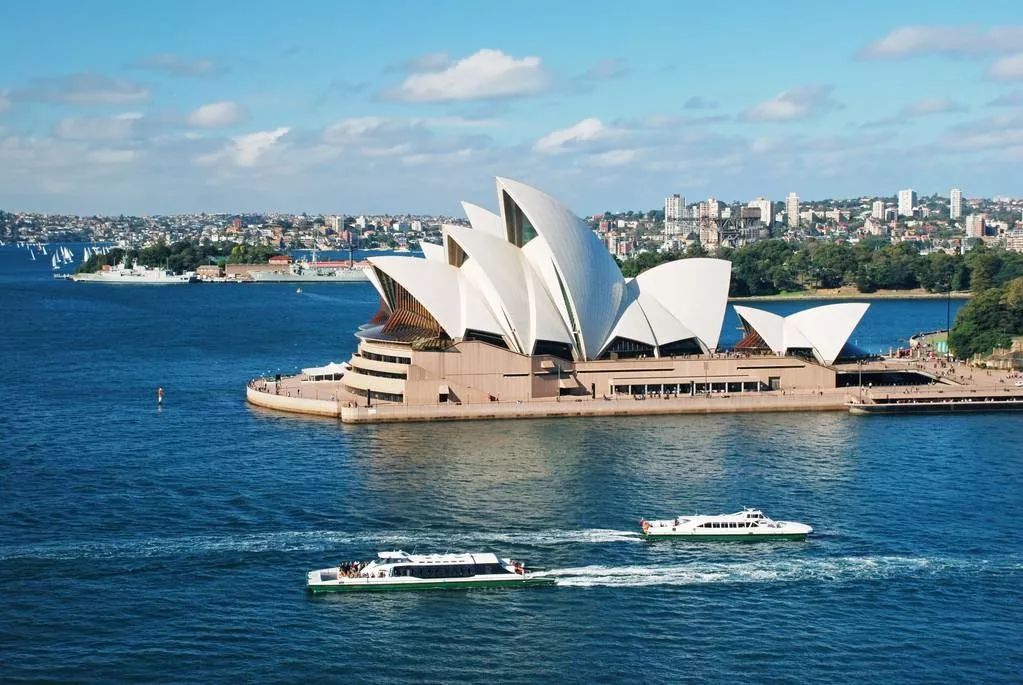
{"x":989,"y":320}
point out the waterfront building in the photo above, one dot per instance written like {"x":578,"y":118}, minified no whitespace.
{"x":907,"y":201}
{"x":955,"y":204}
{"x":528,"y":304}
{"x":792,"y":210}
{"x":877,"y":210}
{"x":765,"y":207}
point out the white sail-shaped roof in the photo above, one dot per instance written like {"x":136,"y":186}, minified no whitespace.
{"x":484,"y":220}
{"x":584,"y":273}
{"x":695,"y":291}
{"x":536,"y":274}
{"x":433,"y":251}
{"x":768,"y":325}
{"x":516,"y":295}
{"x":824,"y":330}
{"x":644,"y":319}
{"x":666,"y":327}
{"x":828,"y":327}
{"x":444,"y":291}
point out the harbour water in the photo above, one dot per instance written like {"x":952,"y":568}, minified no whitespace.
{"x":140,"y":543}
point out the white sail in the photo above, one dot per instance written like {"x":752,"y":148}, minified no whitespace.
{"x":33,"y":254}
{"x":44,"y":249}
{"x":53,"y":263}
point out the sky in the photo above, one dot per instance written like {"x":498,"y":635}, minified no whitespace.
{"x":372,"y":107}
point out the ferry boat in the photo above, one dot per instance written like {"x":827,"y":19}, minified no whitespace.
{"x":399,"y":570}
{"x":748,"y":524}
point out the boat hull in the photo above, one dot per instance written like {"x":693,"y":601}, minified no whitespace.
{"x":430,"y":585}
{"x":940,"y":407}
{"x":763,"y":537}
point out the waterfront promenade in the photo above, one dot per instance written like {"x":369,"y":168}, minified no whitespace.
{"x":950,"y":382}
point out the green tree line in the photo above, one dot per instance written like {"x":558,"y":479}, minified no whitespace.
{"x":185,"y":255}
{"x":989,"y":320}
{"x":770,"y":267}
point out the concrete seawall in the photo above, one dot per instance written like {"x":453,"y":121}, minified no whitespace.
{"x":292,"y":405}
{"x":717,"y":404}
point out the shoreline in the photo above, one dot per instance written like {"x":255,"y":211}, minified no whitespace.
{"x":839,"y":294}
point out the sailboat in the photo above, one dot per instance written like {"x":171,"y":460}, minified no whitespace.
{"x":43,"y":249}
{"x":31,"y":253}
{"x":53,"y":263}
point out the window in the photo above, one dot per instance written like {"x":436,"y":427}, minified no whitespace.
{"x":680,"y":347}
{"x":626,"y":348}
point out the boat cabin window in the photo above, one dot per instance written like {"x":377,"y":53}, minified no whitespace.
{"x":447,"y":570}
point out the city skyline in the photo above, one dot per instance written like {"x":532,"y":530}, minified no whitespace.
{"x":345,"y":109}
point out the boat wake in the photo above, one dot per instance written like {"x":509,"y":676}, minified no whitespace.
{"x":833,"y":569}
{"x":327,"y":541}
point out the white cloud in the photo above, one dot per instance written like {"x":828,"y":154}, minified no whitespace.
{"x":176,"y":64}
{"x":606,"y":69}
{"x":699,"y":102}
{"x":1007,"y":68}
{"x":245,"y":150}
{"x":214,"y":114}
{"x":613,"y":158}
{"x":1013,"y":99}
{"x":789,"y":105}
{"x":585,"y":130}
{"x":485,"y":74}
{"x":110,"y":156}
{"x":931,"y":106}
{"x":437,"y":158}
{"x":119,"y":127}
{"x":949,"y":41}
{"x":83,"y":89}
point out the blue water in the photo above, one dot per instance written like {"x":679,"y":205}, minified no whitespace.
{"x":138,"y":544}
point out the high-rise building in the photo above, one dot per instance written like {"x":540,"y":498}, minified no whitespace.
{"x":975,"y":226}
{"x":712,"y":209}
{"x":877,"y":210}
{"x":673,"y":205}
{"x":907,"y":200}
{"x":955,"y":204}
{"x":792,"y":210}
{"x":766,"y":209}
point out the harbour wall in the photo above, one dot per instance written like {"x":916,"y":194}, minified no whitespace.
{"x":292,"y":405}
{"x":715,"y":404}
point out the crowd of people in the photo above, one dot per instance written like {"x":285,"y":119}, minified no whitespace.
{"x":350,"y":569}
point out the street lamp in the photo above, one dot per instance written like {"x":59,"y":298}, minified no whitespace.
{"x":859,"y":366}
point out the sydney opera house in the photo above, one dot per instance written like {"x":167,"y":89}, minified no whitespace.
{"x":527,"y":305}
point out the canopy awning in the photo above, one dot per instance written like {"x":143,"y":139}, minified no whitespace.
{"x":331,"y":369}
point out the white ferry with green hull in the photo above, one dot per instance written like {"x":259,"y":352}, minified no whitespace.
{"x":402,"y":571}
{"x":746,"y":525}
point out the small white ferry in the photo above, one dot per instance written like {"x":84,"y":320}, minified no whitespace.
{"x":402,"y":571}
{"x":748,"y":524}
